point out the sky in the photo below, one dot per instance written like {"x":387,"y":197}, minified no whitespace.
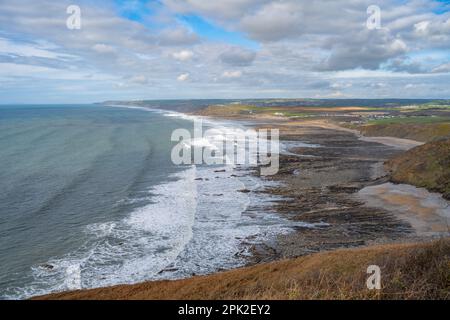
{"x":233,"y":49}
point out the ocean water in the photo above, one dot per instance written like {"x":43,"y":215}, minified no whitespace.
{"x":89,"y":197}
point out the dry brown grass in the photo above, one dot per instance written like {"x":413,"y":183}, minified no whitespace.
{"x":408,"y":271}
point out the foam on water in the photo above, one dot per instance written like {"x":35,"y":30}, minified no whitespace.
{"x":126,"y":251}
{"x":198,"y":222}
{"x":224,"y":230}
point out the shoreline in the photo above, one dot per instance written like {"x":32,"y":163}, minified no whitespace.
{"x":202,"y":255}
{"x":246,"y":244}
{"x":317,"y":186}
{"x":347,"y":220}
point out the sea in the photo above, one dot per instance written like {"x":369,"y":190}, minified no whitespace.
{"x":89,"y":197}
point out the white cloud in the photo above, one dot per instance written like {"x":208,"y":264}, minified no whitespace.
{"x":337,"y":94}
{"x":421,"y":27}
{"x":139,"y":79}
{"x":177,"y":37}
{"x":443,"y":68}
{"x":236,"y":56}
{"x":228,"y":9}
{"x":341,"y":85}
{"x":232,"y":74}
{"x":285,"y":47}
{"x":398,"y":45}
{"x":183,"y":77}
{"x":274,"y":21}
{"x":103,"y":48}
{"x":29,"y":50}
{"x":41,"y":72}
{"x":183,"y":55}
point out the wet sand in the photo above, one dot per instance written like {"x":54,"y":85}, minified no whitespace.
{"x":428,"y":213}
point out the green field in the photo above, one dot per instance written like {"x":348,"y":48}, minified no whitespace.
{"x":411,"y":120}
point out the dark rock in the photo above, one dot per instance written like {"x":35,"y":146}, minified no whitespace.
{"x":47,"y":266}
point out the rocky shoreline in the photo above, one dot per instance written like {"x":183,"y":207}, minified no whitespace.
{"x":319,"y":186}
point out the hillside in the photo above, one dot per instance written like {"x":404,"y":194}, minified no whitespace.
{"x":408,"y":271}
{"x":425,"y":166}
{"x":423,"y":132}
